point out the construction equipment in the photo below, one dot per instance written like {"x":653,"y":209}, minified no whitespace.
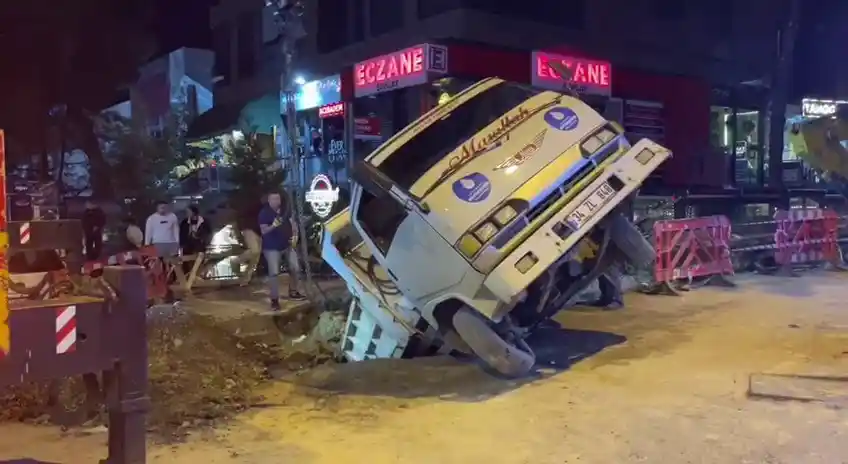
{"x":467,"y":222}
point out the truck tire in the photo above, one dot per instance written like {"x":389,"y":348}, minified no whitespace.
{"x":630,"y":241}
{"x":505,"y":358}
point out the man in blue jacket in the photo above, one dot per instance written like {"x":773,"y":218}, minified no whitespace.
{"x":278,"y":240}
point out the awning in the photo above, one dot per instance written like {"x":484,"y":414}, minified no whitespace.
{"x":218,"y":120}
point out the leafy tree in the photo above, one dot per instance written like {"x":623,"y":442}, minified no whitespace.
{"x":76,"y":55}
{"x":146,"y":168}
{"x":252,"y":169}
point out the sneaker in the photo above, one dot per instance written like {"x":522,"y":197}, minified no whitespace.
{"x":275,"y":304}
{"x":295,"y":295}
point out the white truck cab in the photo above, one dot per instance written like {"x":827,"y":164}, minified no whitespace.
{"x":472,"y":211}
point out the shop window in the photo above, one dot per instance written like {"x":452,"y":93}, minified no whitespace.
{"x":380,"y":217}
{"x":747,"y":150}
{"x":332,"y":32}
{"x":419,"y":154}
{"x":385,"y":16}
{"x":720,"y":131}
{"x":246,"y":36}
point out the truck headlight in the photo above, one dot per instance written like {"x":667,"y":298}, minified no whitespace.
{"x":486,"y":231}
{"x":505,"y":215}
{"x":598,"y":140}
{"x":645,"y":156}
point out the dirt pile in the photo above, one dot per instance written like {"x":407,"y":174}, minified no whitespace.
{"x":200,"y":372}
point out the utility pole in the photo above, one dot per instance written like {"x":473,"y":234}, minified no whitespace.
{"x":780,"y":92}
{"x":288,"y":16}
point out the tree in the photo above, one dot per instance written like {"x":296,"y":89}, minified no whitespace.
{"x":147,"y":168}
{"x":253,"y":170}
{"x":76,"y":55}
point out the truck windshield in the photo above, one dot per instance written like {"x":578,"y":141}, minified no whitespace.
{"x":414,"y":158}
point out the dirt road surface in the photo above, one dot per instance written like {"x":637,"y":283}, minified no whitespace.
{"x":662,"y":381}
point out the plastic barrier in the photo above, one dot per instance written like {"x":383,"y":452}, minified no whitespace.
{"x":806,"y":236}
{"x":692,"y":248}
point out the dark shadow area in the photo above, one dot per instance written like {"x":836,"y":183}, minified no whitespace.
{"x":449,"y":378}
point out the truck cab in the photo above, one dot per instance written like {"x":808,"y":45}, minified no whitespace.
{"x":473,"y":210}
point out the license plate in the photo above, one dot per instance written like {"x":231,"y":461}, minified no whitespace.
{"x":591,"y":205}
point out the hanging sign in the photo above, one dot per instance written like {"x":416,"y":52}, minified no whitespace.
{"x":322,"y":196}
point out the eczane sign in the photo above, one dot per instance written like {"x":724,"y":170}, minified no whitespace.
{"x":411,"y":66}
{"x":589,"y":76}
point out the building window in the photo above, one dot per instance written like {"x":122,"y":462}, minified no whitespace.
{"x":247,"y":44}
{"x":385,"y":16}
{"x":669,"y":9}
{"x":223,"y":57}
{"x":332,"y":31}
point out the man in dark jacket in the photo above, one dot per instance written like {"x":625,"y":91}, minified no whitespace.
{"x":195,"y":232}
{"x":93,"y":221}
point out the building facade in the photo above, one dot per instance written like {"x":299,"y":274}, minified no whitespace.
{"x":654,"y":65}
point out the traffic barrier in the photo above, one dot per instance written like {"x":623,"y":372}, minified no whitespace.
{"x":806,"y":237}
{"x":155,"y":270}
{"x":689,"y":249}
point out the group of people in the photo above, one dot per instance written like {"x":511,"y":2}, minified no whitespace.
{"x":277,"y":237}
{"x":163,"y":230}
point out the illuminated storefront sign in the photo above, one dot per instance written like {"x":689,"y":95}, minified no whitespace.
{"x":316,"y":93}
{"x":322,"y":196}
{"x":404,"y":68}
{"x":331,"y":110}
{"x":813,"y":108}
{"x":590,"y":76}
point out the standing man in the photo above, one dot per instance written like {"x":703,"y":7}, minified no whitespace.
{"x":93,"y":221}
{"x":278,"y":238}
{"x":163,"y":231}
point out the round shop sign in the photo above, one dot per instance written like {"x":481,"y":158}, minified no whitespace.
{"x":472,"y":188}
{"x":562,"y":118}
{"x":322,"y":196}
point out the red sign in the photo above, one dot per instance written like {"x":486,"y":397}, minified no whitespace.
{"x":367,"y":128}
{"x":331,"y":110}
{"x":410,"y":66}
{"x":589,"y":76}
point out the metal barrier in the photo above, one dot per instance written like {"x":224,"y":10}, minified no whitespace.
{"x":691,"y":248}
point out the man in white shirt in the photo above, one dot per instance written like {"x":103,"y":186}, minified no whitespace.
{"x":163,"y":231}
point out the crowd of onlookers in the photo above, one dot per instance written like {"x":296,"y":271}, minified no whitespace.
{"x":268,"y":229}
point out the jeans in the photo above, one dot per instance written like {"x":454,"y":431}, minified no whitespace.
{"x":274,"y":258}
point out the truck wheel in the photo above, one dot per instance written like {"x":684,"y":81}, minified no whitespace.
{"x":630,"y":241}
{"x":497,"y":353}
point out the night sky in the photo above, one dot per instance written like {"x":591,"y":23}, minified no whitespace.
{"x":183,"y":23}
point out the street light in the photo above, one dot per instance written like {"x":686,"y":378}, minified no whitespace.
{"x":299,"y":80}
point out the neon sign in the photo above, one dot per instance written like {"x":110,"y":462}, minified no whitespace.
{"x":404,"y":68}
{"x":589,"y":76}
{"x":813,"y":108}
{"x":321,"y":196}
{"x":331,"y":110}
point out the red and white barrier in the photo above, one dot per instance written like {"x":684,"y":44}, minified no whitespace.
{"x":806,"y":236}
{"x":66,"y":329}
{"x":692,"y":248}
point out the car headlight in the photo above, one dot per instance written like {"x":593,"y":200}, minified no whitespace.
{"x":505,"y":215}
{"x":486,"y":231}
